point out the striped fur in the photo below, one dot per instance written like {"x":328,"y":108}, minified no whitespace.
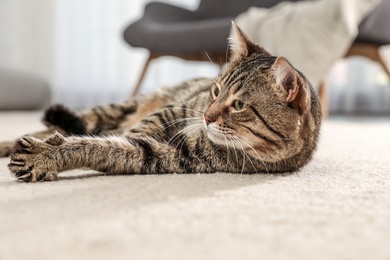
{"x":243,"y":121}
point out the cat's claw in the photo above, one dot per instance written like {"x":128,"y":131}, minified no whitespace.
{"x":25,"y":142}
{"x":24,"y":177}
{"x":17,"y":162}
{"x":28,"y":161}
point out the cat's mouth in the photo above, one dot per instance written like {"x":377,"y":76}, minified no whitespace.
{"x":219,"y":135}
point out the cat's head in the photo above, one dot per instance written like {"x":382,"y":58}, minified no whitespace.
{"x":260,"y":103}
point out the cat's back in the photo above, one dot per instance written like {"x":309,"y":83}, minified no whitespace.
{"x":192,"y":94}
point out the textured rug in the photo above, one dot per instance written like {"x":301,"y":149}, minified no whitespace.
{"x":337,"y":207}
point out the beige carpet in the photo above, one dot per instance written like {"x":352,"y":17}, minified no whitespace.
{"x":338,"y":207}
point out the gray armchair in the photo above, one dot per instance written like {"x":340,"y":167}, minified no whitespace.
{"x":197,"y":35}
{"x":169,"y":30}
{"x":373,"y":33}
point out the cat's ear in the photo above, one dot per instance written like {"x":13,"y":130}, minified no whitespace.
{"x":241,"y":45}
{"x":291,"y":84}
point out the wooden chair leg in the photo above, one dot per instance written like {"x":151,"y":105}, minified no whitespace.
{"x":370,"y":51}
{"x":323,"y":94}
{"x":141,"y":77}
{"x":380,"y":59}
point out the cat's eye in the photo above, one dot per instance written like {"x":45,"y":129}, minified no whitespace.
{"x":239,"y":105}
{"x":216,"y":91}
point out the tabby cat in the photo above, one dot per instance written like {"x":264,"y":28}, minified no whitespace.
{"x":259,"y":115}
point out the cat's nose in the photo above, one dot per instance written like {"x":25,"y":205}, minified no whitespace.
{"x":208,"y":120}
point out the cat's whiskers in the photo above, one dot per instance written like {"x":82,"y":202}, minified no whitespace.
{"x":185,"y":133}
{"x":235,"y":143}
{"x":194,"y":131}
{"x":247,"y":143}
{"x":177,"y":121}
{"x":247,"y":155}
{"x":238,"y":145}
{"x":181,"y":134}
{"x":209,"y":58}
{"x":234,"y":149}
{"x":227,"y":53}
{"x":244,"y":155}
{"x":227,"y":153}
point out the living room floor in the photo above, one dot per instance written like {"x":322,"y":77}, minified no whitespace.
{"x":337,"y":207}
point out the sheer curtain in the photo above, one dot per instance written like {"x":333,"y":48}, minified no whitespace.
{"x":93,"y":63}
{"x":26,"y":41}
{"x":78,"y":46}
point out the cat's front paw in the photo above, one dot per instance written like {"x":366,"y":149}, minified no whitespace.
{"x":30,"y":159}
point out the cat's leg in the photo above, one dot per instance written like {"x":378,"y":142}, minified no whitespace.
{"x":105,"y":118}
{"x":6,"y":148}
{"x":91,"y":121}
{"x":35,"y":160}
{"x":112,"y":117}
